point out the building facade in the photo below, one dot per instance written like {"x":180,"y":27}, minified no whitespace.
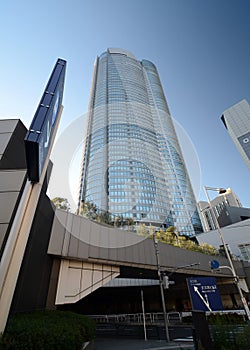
{"x":237,"y":122}
{"x":236,"y":237}
{"x":245,"y":251}
{"x":219,"y":204}
{"x":132,"y":162}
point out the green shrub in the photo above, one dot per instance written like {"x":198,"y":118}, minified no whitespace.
{"x":229,"y":331}
{"x":230,"y":337}
{"x":243,"y":340}
{"x":46,"y":330}
{"x":225,"y":319}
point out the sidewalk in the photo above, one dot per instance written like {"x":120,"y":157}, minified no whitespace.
{"x":140,"y":344}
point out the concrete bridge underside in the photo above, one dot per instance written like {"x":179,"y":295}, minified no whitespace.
{"x":88,"y":256}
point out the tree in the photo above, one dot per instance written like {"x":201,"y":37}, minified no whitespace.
{"x":89,"y":210}
{"x":118,"y":220}
{"x":161,"y":235}
{"x":173,"y":230}
{"x":129,"y":222}
{"x":172,"y":237}
{"x":142,"y":230}
{"x":61,"y":203}
{"x":104,"y":217}
{"x":208,"y":249}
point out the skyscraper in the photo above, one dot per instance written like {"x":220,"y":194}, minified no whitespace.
{"x":132,"y":161}
{"x":237,"y":121}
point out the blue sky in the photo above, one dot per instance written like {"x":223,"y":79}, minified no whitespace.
{"x":201,"y":49}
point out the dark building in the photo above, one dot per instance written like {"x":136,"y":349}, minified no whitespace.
{"x":231,"y":215}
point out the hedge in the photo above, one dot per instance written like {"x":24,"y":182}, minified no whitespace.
{"x":46,"y":330}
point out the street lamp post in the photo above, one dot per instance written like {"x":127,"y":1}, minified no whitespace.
{"x":161,"y":286}
{"x":236,"y":278}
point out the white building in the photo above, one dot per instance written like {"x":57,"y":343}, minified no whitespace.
{"x":227,"y":199}
{"x":237,"y":121}
{"x":236,"y":236}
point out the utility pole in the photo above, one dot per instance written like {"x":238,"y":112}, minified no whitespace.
{"x":161,"y":286}
{"x":231,"y":267}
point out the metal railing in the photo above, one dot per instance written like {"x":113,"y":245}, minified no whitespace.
{"x":137,"y":318}
{"x":173,"y":317}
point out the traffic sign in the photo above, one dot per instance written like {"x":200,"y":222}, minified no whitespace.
{"x":204,"y":294}
{"x":214,"y":264}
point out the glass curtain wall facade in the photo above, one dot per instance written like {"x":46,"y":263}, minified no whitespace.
{"x":237,"y":122}
{"x":132,"y":162}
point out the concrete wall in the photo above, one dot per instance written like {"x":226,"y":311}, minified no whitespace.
{"x":75,"y":237}
{"x":34,"y":278}
{"x":33,"y":282}
{"x":12,"y":173}
{"x":12,"y":151}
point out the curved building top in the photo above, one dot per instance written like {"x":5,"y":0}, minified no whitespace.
{"x":115,"y":50}
{"x":121,"y":51}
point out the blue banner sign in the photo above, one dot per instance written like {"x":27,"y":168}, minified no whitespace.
{"x":38,"y":138}
{"x":204,"y":294}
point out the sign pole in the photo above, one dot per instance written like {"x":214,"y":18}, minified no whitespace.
{"x":161,"y":287}
{"x":144,"y":318}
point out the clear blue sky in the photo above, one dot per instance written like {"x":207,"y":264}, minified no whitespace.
{"x":200,"y":47}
